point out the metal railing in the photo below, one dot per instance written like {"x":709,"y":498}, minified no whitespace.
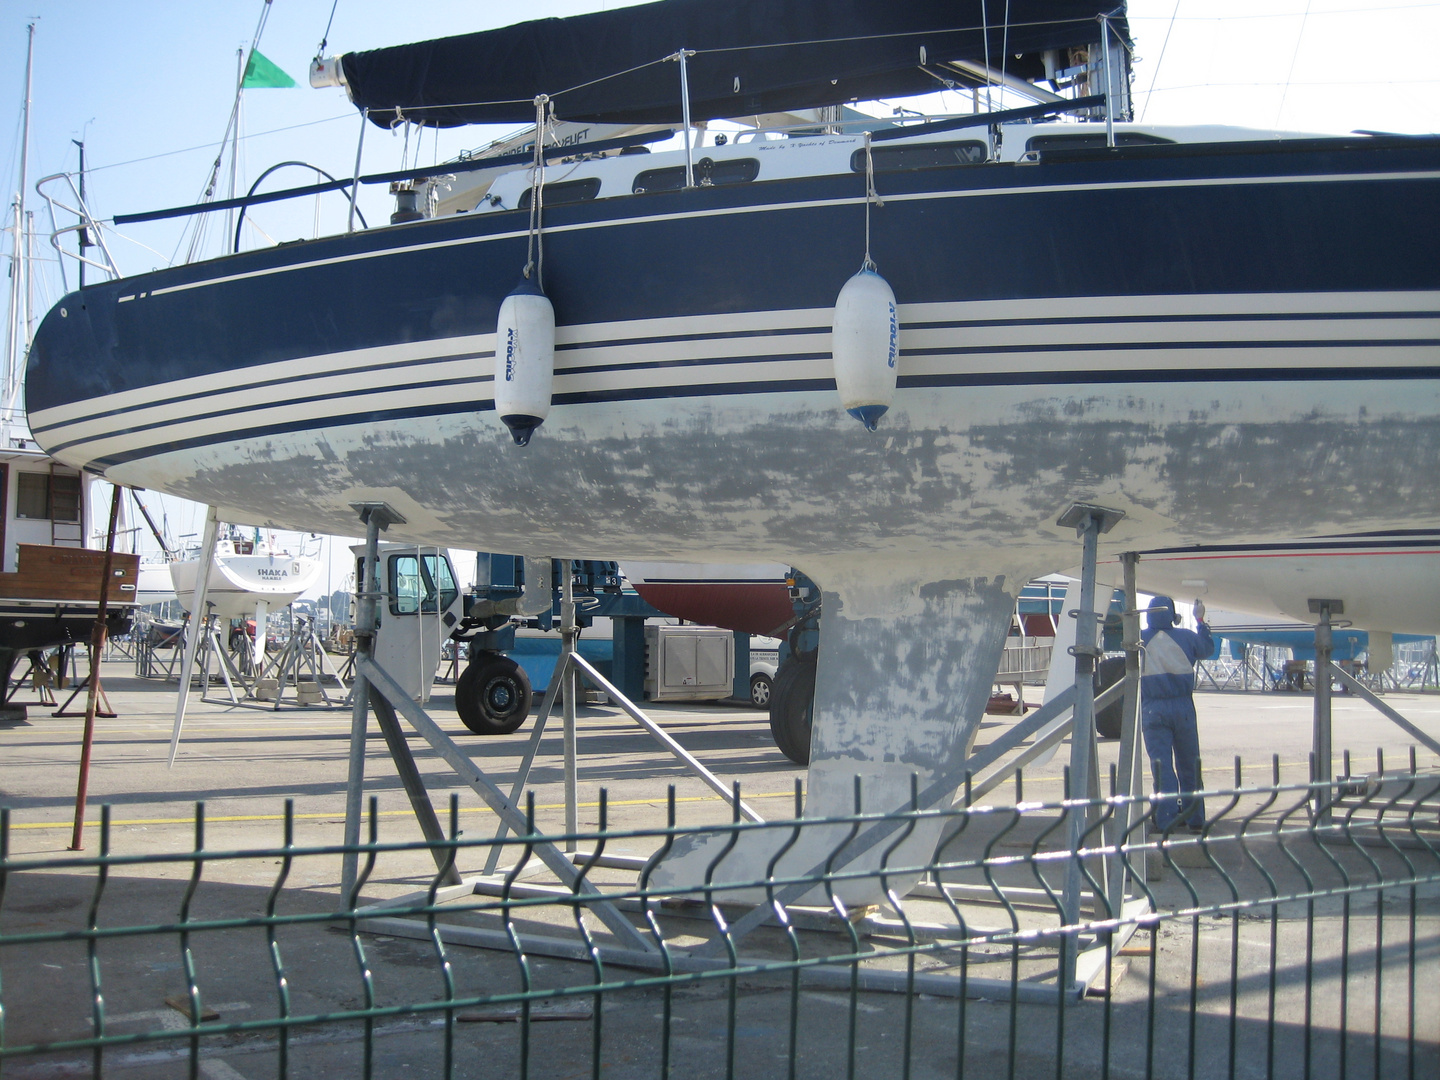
{"x":1267,"y":945}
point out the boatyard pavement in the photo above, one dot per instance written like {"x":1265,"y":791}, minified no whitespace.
{"x":244,"y":761}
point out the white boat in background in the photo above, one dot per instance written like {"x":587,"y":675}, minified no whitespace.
{"x":1387,"y":581}
{"x":155,"y":584}
{"x":247,"y":573}
{"x":250,"y":577}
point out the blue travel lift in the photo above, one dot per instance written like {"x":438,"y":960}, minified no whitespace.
{"x":494,"y":692}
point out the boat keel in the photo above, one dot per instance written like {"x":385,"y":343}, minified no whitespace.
{"x":905,"y":671}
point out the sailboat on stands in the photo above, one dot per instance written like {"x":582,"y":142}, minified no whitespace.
{"x":50,"y":575}
{"x":892,"y":354}
{"x":250,"y":577}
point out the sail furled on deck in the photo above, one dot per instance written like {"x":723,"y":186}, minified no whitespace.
{"x":752,"y":56}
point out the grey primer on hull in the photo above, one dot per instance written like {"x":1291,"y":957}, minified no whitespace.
{"x":1261,"y":368}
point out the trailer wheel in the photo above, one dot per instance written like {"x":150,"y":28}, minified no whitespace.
{"x":493,"y":695}
{"x":1107,"y":720}
{"x":792,"y":707}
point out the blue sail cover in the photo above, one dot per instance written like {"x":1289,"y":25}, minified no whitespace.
{"x":752,"y":56}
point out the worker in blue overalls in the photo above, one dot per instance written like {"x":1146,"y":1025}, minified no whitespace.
{"x":1167,"y":709}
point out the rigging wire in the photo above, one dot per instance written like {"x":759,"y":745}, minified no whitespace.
{"x":230,"y":126}
{"x":91,"y":169}
{"x":325,"y":37}
{"x":1156,"y":73}
{"x":985,"y":35}
{"x":1293,"y":57}
{"x":1005,"y":52}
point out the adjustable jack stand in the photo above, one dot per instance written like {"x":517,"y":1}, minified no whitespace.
{"x":212,"y":646}
{"x":102,"y":710}
{"x":373,"y":685}
{"x":378,"y":516}
{"x":303,"y":652}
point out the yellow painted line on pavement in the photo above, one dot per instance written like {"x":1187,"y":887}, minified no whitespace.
{"x":1037,"y":782}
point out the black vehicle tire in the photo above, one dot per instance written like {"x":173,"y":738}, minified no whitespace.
{"x":792,"y":707}
{"x":760,"y":690}
{"x":493,"y":695}
{"x":1107,"y":720}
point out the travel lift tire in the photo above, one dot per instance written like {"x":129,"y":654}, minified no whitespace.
{"x":792,"y":707}
{"x":493,"y":695}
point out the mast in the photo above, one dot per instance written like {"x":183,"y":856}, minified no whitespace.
{"x":82,"y":237}
{"x":235,"y":142}
{"x":17,"y":341}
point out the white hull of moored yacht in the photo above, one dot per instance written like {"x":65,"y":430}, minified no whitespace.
{"x":238,"y":583}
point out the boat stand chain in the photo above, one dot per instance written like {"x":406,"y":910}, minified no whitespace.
{"x":1071,"y":713}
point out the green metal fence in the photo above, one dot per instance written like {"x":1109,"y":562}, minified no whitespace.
{"x":1270,"y":944}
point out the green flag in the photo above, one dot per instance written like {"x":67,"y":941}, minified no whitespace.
{"x":260,"y":72}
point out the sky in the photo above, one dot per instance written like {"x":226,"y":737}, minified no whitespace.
{"x":148,"y":86}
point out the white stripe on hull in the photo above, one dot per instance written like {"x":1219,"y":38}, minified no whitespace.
{"x":327,"y":389}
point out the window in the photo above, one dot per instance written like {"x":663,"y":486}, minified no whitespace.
{"x":562,"y":192}
{"x":708,"y":173}
{"x":1093,"y":140}
{"x":32,"y":495}
{"x":42,"y":496}
{"x":415,"y":583}
{"x":937,"y":155}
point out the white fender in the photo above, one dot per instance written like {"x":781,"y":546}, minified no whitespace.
{"x":865,"y":344}
{"x":524,"y":360}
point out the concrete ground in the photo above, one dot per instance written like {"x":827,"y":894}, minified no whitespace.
{"x":245,"y":761}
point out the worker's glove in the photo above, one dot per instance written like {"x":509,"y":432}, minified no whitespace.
{"x":1199,"y":611}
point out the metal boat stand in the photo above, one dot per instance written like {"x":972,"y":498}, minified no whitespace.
{"x":303,"y":652}
{"x":192,"y":638}
{"x":43,"y":676}
{"x":212,"y":647}
{"x":105,"y":711}
{"x":1379,"y":789}
{"x":373,"y":685}
{"x":1082,"y":960}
